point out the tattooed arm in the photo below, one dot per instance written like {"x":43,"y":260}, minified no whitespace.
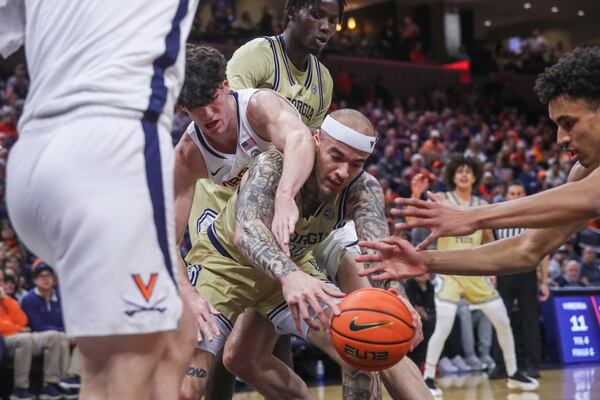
{"x":255,"y":207}
{"x":367,"y":209}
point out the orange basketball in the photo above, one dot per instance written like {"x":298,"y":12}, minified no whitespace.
{"x":373,"y":331}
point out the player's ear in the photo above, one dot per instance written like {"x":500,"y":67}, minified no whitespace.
{"x":225,"y":84}
{"x":316,"y":134}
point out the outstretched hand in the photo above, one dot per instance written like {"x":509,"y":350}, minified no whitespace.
{"x":303,"y":292}
{"x":396,"y":259}
{"x":441,"y":218}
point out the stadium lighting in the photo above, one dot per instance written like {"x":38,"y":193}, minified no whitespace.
{"x":351,"y":23}
{"x":527,"y":6}
{"x":554,"y":9}
{"x":487,"y":23}
{"x":581,"y":13}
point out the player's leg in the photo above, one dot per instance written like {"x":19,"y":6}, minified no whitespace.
{"x":196,"y":378}
{"x":221,"y":384}
{"x":249,"y":355}
{"x":117,"y":227}
{"x":177,"y":356}
{"x":448,"y":293}
{"x":478,"y":290}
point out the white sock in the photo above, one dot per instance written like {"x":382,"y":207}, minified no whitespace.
{"x":496,"y":312}
{"x":444,"y":319}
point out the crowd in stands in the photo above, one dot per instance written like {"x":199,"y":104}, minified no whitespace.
{"x":417,"y":135}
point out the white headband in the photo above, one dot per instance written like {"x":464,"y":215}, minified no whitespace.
{"x":348,"y":136}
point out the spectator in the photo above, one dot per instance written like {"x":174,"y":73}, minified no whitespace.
{"x":433,"y":149}
{"x":18,"y":84}
{"x":12,"y":285}
{"x":43,"y":309}
{"x":22,"y":345}
{"x":417,"y":55}
{"x":265,"y":25}
{"x":590,"y":267}
{"x":571,"y":276}
{"x":556,"y":261}
{"x":8,"y":123}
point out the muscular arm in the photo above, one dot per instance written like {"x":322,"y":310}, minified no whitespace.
{"x":254,"y":214}
{"x":367,"y":208}
{"x":189,"y":167}
{"x":574,"y":201}
{"x":518,"y":253}
{"x":275,"y":120}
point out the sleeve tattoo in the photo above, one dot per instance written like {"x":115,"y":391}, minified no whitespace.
{"x":367,"y":208}
{"x":255,"y":207}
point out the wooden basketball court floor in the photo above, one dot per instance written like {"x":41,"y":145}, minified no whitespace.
{"x":573,"y":383}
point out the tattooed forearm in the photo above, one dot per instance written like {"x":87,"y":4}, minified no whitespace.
{"x":258,"y":245}
{"x":368,"y":212}
{"x":256,"y":197}
{"x":365,"y":199}
{"x":359,"y":385}
{"x":255,"y":206}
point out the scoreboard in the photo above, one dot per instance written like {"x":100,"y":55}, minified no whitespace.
{"x":577,"y":317}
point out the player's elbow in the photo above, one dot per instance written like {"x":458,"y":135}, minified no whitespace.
{"x":530,"y":254}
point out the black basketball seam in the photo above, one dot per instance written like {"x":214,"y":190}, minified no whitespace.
{"x":381,"y":312}
{"x":368,"y":342}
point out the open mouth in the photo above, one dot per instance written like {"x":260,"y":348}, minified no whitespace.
{"x":321,"y":41}
{"x":212,"y":124}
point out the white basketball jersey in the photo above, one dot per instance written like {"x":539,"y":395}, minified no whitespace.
{"x":228,"y":169}
{"x":111,"y":57}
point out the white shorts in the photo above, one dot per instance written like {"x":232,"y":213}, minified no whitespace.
{"x":329,"y":252}
{"x":93,"y":197}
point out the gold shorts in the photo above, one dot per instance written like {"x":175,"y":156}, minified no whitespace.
{"x":209,"y":200}
{"x":231,"y":287}
{"x":474,"y":289}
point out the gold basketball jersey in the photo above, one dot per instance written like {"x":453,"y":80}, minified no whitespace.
{"x":461,"y":242}
{"x":309,"y":231}
{"x":263,"y":63}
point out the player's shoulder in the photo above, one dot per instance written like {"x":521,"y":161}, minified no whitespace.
{"x":365,"y":181}
{"x":260,"y":44}
{"x":270,"y":157}
{"x":325,"y":74}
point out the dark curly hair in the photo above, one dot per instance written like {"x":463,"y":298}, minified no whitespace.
{"x":457,"y":161}
{"x":205,"y":71}
{"x":293,"y":6}
{"x":575,"y":75}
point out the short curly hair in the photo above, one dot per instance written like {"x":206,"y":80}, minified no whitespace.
{"x":457,"y":161}
{"x":575,"y":75}
{"x":205,"y":71}
{"x":293,"y":6}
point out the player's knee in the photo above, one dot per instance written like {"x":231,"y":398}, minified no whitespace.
{"x":237,"y":363}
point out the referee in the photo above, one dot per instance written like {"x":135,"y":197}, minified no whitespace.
{"x":523,"y":288}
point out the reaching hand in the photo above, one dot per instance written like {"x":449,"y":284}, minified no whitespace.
{"x":203,"y":312}
{"x":441,"y":218}
{"x":418,"y":184}
{"x":301,"y":292}
{"x":397,"y":259}
{"x":284,"y":220}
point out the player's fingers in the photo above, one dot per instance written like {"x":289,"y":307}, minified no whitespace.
{"x":382,"y":276}
{"x":379,"y":246}
{"x":204,"y":331}
{"x":427,"y":241}
{"x":366,"y":258}
{"x":302,"y":304}
{"x":213,"y":310}
{"x":415,"y":223}
{"x":411,"y":202}
{"x":295,"y":316}
{"x":320,"y":313}
{"x":412,"y":212}
{"x":373,"y":269}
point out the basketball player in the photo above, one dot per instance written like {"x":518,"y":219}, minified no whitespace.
{"x":90,"y":183}
{"x":462,"y":175}
{"x":572,"y":92}
{"x":233,"y":274}
{"x":228,"y":130}
{"x":288,"y":64}
{"x":198,"y":151}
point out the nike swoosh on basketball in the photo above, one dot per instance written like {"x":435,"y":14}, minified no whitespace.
{"x":354,"y":326}
{"x":216,"y":172}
